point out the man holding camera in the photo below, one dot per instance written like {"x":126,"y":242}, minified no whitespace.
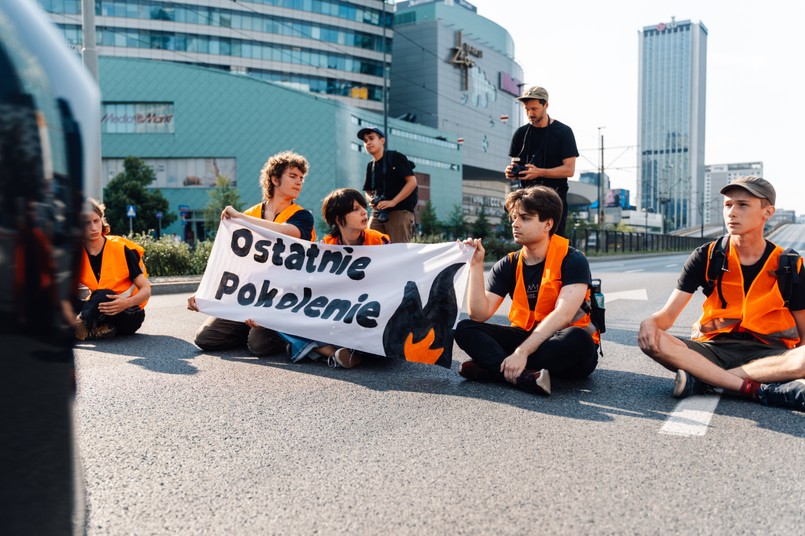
{"x":543,"y":151}
{"x":390,"y":187}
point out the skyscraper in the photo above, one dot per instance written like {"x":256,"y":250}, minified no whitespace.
{"x":671,"y":115}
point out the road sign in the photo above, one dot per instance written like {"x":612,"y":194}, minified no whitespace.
{"x":159,"y":215}
{"x":131,"y":211}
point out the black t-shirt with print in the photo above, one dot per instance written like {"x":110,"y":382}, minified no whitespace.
{"x":503,"y":277}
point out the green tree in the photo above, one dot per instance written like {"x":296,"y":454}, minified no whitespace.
{"x":130,"y":187}
{"x":504,"y":226}
{"x":480,"y":227}
{"x":222,"y":196}
{"x":455,"y":226}
{"x":429,"y":223}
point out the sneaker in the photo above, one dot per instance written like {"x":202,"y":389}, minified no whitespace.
{"x":537,"y":382}
{"x":686,"y":385}
{"x":472,"y":371}
{"x":344,"y":358}
{"x":787,"y":395}
{"x":81,"y":329}
{"x":104,"y":331}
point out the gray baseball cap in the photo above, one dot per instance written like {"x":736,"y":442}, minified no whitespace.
{"x":534,"y":92}
{"x":756,"y":186}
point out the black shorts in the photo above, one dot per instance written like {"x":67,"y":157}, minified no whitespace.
{"x":731,"y":353}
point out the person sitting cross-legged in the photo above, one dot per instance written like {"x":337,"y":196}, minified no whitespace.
{"x":749,"y":338}
{"x":548,"y":281}
{"x":112,"y":269}
{"x":345,"y":212}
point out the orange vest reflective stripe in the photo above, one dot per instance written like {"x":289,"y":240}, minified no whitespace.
{"x":761,"y":312}
{"x":257,"y":212}
{"x":370,"y":238}
{"x":114,"y":269}
{"x":521,"y":315}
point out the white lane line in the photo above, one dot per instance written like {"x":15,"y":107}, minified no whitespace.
{"x":692,"y":416}
{"x":634,"y":271}
{"x":671,"y":265}
{"x":637,"y":294}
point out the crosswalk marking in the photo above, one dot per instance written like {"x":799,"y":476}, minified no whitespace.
{"x":692,"y":416}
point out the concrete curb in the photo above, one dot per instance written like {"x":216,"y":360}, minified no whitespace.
{"x":185,"y":284}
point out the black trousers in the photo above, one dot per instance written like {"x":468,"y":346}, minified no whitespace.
{"x":127,"y":321}
{"x":571,"y":353}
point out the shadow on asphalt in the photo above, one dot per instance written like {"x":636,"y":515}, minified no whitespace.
{"x":601,"y":397}
{"x":157,"y":353}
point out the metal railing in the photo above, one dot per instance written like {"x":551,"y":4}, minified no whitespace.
{"x":612,"y":242}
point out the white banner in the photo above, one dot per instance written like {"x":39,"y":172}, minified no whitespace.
{"x":397,"y":300}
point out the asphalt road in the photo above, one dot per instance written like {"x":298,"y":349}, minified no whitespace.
{"x":178,"y":441}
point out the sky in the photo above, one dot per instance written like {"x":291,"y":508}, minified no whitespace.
{"x":585,"y":52}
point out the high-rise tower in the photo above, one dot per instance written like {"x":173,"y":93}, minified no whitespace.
{"x":670,"y":121}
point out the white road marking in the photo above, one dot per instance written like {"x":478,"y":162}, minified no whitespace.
{"x":692,"y":416}
{"x":671,"y":265}
{"x":637,"y":294}
{"x":634,"y":271}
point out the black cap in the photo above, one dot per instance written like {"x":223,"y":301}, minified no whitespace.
{"x":364,"y":131}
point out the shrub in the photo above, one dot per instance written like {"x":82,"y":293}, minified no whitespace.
{"x":200,"y":256}
{"x":165,"y":256}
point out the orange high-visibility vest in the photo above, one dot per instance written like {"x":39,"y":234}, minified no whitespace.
{"x":282,"y":217}
{"x":761,"y":311}
{"x":522,"y":316}
{"x":114,"y":269}
{"x":370,"y":238}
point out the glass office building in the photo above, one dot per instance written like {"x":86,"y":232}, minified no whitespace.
{"x":333,"y":47}
{"x":671,"y":121}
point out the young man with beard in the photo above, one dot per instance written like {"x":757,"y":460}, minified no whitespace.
{"x":548,"y":281}
{"x":749,"y":338}
{"x":546,"y":148}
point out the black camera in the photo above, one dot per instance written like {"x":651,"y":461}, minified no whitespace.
{"x":518,"y":170}
{"x":381,"y":216}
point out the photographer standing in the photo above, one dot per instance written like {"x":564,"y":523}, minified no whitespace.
{"x":544,"y":151}
{"x":390,"y":187}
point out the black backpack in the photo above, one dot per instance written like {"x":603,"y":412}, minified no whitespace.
{"x":786,"y":272}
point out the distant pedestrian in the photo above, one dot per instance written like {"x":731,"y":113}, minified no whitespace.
{"x":545,"y":149}
{"x":390,"y":187}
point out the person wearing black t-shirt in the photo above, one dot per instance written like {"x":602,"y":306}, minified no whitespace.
{"x":390,"y":187}
{"x":547,"y":149}
{"x":112,"y":269}
{"x":548,"y":281}
{"x":748,"y":339}
{"x":281,"y":180}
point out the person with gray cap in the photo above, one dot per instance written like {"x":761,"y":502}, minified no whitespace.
{"x":543,"y":151}
{"x":749,"y":338}
{"x":390,"y":187}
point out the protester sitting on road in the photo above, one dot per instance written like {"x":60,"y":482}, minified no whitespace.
{"x":281,"y":179}
{"x":112,"y":269}
{"x":749,"y":338}
{"x":548,"y":281}
{"x":345,"y":211}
